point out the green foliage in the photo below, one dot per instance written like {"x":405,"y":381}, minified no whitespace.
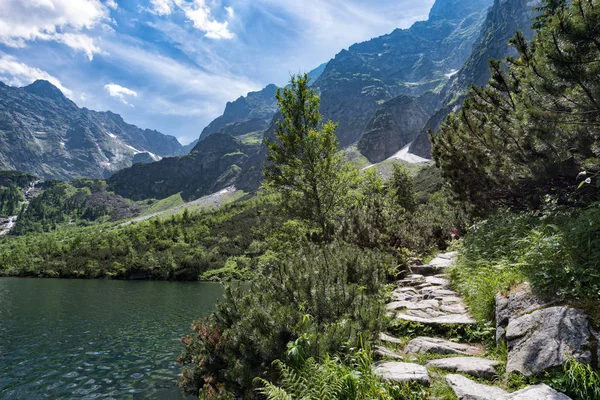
{"x":379,"y":219}
{"x":556,"y":252}
{"x":334,"y":379}
{"x":535,"y":126}
{"x":10,"y":200}
{"x":229,"y":244}
{"x":305,"y":166}
{"x":577,"y":380}
{"x":323,"y":299}
{"x":78,"y":202}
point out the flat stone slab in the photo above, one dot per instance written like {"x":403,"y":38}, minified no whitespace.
{"x":458,"y":319}
{"x":479,"y":367}
{"x":456,"y":308}
{"x":441,"y":262}
{"x":384,"y":337}
{"x":382,"y":352}
{"x":412,"y":305}
{"x":400,"y":372}
{"x":451,"y":255}
{"x":437,"y":281}
{"x":451,"y":300}
{"x":421,"y":345}
{"x":404,"y":296}
{"x":537,"y":392}
{"x":426,"y":269}
{"x":466,"y":389}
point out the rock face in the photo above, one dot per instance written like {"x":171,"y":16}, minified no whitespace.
{"x":545,"y":339}
{"x":207,"y":169}
{"x":44,"y":133}
{"x":540,"y":336}
{"x":394,"y":125}
{"x":249,"y":113}
{"x":467,"y":389}
{"x":479,"y":367}
{"x":503,"y":20}
{"x":400,"y":372}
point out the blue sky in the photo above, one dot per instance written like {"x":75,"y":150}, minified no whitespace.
{"x":171,"y":65}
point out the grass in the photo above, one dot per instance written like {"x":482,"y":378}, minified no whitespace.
{"x":558,"y":253}
{"x":252,"y":138}
{"x":157,"y":206}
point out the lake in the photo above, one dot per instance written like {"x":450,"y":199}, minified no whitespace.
{"x":95,"y":339}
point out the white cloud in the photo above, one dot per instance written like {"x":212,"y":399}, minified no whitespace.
{"x":15,"y":73}
{"x":199,"y":13}
{"x":161,"y":7}
{"x":112,"y":4}
{"x":51,"y":20}
{"x":120,"y":92}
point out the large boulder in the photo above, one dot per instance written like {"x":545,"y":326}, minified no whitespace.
{"x":547,"y":338}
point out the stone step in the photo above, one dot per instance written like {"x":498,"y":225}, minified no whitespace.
{"x":422,"y":345}
{"x":383,"y":352}
{"x":475,"y":366}
{"x":384,"y":337}
{"x":466,"y":389}
{"x":413,"y":305}
{"x":400,"y":372}
{"x":446,"y":319}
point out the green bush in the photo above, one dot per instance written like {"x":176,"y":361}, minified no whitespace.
{"x":336,"y":380}
{"x":557,"y":252}
{"x":331,"y":296}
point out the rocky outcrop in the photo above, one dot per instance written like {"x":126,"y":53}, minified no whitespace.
{"x":394,"y":125}
{"x":44,"y":133}
{"x":505,"y":17}
{"x":541,"y":336}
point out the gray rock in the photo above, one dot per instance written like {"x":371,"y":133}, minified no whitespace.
{"x":457,"y":308}
{"x":441,"y":262}
{"x":384,"y":337}
{"x":451,"y":300}
{"x":426,"y":269}
{"x":382,"y":352}
{"x":449,"y":256}
{"x":400,"y":372}
{"x":466,"y":389}
{"x":413,"y":305}
{"x":437,"y":281}
{"x":422,"y":345}
{"x":479,"y":367}
{"x":519,"y":302}
{"x":451,"y":319}
{"x":537,"y":392}
{"x":546,"y":338}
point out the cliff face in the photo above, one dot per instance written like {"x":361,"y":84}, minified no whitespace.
{"x":44,"y":133}
{"x":501,"y":23}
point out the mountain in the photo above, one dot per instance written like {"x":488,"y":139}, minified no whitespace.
{"x":502,"y":21}
{"x":405,"y":62}
{"x":382,"y":92}
{"x":44,"y":133}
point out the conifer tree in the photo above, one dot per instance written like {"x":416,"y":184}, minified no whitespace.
{"x":305,"y":166}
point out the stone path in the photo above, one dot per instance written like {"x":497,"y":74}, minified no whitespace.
{"x":425,"y":297}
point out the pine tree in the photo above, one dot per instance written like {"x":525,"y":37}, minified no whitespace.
{"x":305,"y":166}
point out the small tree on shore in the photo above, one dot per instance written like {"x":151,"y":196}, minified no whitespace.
{"x":305,"y":166}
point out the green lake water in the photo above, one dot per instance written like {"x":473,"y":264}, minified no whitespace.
{"x":93,"y":339}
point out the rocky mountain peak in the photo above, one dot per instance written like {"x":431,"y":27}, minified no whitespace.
{"x":455,"y":9}
{"x":44,"y":88}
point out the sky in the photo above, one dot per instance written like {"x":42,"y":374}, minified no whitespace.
{"x":172,"y":65}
